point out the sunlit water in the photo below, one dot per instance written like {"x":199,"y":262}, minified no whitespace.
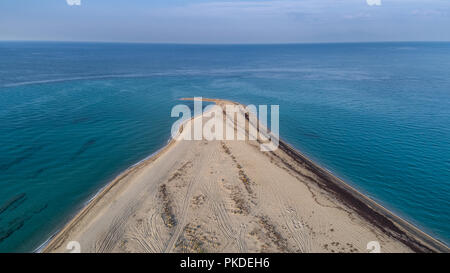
{"x":74,"y":115}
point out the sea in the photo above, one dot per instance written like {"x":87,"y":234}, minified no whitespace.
{"x":74,"y":115}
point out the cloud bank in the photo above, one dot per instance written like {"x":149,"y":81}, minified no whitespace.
{"x":226,"y":21}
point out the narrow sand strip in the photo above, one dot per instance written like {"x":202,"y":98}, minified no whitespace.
{"x":228,"y":196}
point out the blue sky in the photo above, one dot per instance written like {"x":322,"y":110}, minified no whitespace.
{"x":226,"y":21}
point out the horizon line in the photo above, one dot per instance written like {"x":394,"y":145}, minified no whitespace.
{"x":231,"y":43}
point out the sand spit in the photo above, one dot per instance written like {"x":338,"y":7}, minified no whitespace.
{"x":228,"y":196}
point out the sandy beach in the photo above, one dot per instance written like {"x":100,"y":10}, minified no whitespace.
{"x":228,"y":196}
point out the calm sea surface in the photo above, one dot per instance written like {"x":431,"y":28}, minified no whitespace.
{"x":74,"y":115}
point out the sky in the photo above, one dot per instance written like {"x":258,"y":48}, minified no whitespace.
{"x":225,"y":21}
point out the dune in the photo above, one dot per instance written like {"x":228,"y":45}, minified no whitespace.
{"x":229,"y":196}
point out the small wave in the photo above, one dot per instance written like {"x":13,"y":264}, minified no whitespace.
{"x":74,"y":79}
{"x":194,"y":72}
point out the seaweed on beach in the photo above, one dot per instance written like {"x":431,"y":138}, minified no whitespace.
{"x":240,"y":203}
{"x":242,"y":175}
{"x":246,"y":181}
{"x":273,"y":234}
{"x":379,"y":217}
{"x":167,"y":214}
{"x":194,"y":239}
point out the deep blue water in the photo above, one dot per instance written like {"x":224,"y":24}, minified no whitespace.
{"x":74,"y":115}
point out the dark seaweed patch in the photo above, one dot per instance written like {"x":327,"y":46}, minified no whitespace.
{"x":18,"y":203}
{"x":7,"y":233}
{"x":13,"y":226}
{"x":13,"y":202}
{"x":19,"y":222}
{"x":38,"y":172}
{"x":24,"y":155}
{"x":39,"y":210}
{"x":83,"y":148}
{"x":310,"y":135}
{"x":80,"y":120}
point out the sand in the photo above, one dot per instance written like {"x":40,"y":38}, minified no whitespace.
{"x":228,"y":196}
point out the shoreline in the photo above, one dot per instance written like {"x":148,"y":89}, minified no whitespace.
{"x":103,"y":190}
{"x":391,"y":224}
{"x":41,"y":247}
{"x":366,"y":195}
{"x":366,"y":204}
{"x":98,"y":194}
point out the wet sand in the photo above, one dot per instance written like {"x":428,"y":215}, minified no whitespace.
{"x":228,"y":196}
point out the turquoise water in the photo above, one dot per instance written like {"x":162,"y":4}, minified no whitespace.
{"x":74,"y":115}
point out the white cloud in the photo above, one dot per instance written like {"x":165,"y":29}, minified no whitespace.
{"x":73,"y":2}
{"x":428,"y":12}
{"x":373,"y":2}
{"x":360,"y":15}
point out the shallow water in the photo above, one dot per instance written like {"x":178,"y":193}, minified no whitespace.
{"x":74,"y":115}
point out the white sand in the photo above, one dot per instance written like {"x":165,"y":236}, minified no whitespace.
{"x":228,"y":196}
